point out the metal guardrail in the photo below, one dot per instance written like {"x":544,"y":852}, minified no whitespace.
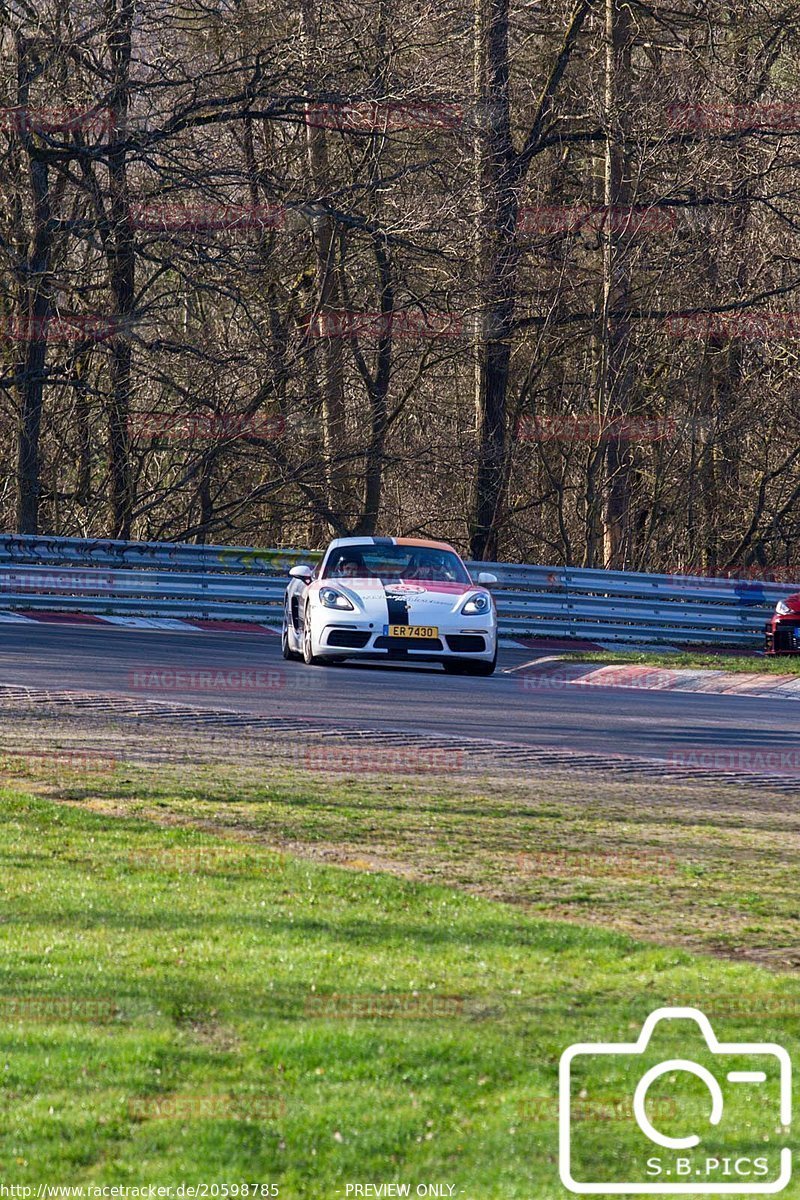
{"x":164,"y":579}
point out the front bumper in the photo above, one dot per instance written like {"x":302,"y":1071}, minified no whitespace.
{"x":782,"y":634}
{"x":357,"y":639}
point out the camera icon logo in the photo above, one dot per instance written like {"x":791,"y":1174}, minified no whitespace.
{"x":709,"y":1143}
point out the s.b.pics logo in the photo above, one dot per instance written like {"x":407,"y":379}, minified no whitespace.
{"x":723,"y":1133}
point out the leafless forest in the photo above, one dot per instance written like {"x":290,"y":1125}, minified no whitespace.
{"x":522,"y":274}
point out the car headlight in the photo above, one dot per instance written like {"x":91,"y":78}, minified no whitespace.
{"x":782,"y":607}
{"x":333,"y":599}
{"x":477,"y":605}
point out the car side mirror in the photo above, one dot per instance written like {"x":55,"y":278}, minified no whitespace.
{"x":486,"y":577}
{"x":302,"y":571}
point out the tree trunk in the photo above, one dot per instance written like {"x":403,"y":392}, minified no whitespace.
{"x":497,"y":255}
{"x":329,"y":350}
{"x":500,"y":172}
{"x":378,"y":389}
{"x":721,"y":373}
{"x":83,"y":486}
{"x":121,"y":271}
{"x":616,"y":379}
{"x":34,"y":308}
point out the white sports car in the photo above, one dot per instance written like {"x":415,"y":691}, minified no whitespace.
{"x":391,"y":598}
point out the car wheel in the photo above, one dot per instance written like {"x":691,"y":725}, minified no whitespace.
{"x":286,"y":648}
{"x":482,"y":668}
{"x":311,"y":660}
{"x":467,"y":666}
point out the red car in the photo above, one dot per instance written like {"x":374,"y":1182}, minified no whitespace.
{"x":783,"y":631}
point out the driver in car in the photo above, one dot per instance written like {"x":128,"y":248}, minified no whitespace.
{"x":434,"y":565}
{"x":350,"y":566}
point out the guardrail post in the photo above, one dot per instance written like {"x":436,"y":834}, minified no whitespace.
{"x":568,"y":600}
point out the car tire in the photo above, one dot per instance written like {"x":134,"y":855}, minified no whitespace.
{"x":286,"y":649}
{"x":311,"y":660}
{"x":481,"y":668}
{"x":453,"y":666}
{"x":468,"y":666}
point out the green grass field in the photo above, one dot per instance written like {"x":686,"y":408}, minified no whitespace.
{"x":711,"y":868}
{"x":783,"y":664}
{"x":187,"y":1007}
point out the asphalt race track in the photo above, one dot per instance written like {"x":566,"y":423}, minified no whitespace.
{"x":174,"y":666}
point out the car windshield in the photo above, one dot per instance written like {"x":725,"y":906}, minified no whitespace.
{"x":395,"y":562}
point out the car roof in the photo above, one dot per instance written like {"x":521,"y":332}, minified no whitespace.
{"x":388,"y":541}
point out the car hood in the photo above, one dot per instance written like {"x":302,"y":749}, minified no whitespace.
{"x":793,"y":603}
{"x":416,"y":601}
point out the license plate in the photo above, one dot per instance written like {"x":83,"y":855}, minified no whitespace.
{"x":411,"y":631}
